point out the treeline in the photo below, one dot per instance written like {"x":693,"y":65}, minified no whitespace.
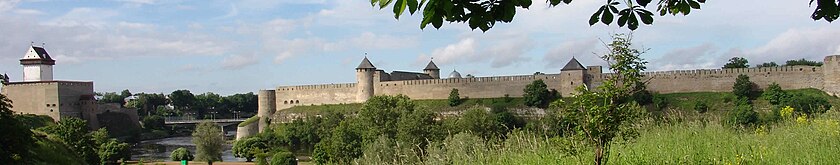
{"x":740,"y":62}
{"x":184,"y":102}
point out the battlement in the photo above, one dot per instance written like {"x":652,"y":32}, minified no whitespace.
{"x":676,"y":74}
{"x":62,"y":83}
{"x":319,"y":86}
{"x":470,"y":80}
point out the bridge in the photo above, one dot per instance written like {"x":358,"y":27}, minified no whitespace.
{"x":196,"y":121}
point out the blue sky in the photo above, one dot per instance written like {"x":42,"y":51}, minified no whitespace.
{"x":242,"y":46}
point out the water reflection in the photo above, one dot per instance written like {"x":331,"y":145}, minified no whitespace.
{"x":159,"y":149}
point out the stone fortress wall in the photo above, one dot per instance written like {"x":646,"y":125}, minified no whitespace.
{"x":826,"y":78}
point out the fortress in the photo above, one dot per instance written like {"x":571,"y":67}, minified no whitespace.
{"x":39,"y":94}
{"x":371,"y":81}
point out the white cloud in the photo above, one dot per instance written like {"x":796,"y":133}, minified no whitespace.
{"x":808,"y":43}
{"x":581,"y":49}
{"x":6,"y":5}
{"x":238,"y":61}
{"x":696,"y":57}
{"x":454,"y":53}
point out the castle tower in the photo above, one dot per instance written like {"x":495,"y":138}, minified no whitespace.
{"x":571,"y":76}
{"x":831,"y":75}
{"x":266,"y":105}
{"x":432,"y":70}
{"x":364,"y":78}
{"x":37,"y":65}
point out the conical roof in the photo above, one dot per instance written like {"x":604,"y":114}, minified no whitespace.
{"x":573,"y":65}
{"x":431,"y":66}
{"x":365,"y":64}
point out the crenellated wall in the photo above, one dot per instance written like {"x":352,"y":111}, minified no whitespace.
{"x":826,"y":78}
{"x":721,"y":80}
{"x":288,"y":96}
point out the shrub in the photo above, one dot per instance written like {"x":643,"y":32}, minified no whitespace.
{"x":248,"y":148}
{"x":283,"y":158}
{"x":701,"y":107}
{"x":181,"y":154}
{"x":643,"y":97}
{"x":154,"y":122}
{"x":807,"y":104}
{"x":774,"y":94}
{"x":536,"y":94}
{"x":659,"y":101}
{"x":786,"y":112}
{"x":743,"y":87}
{"x":742,"y":115}
{"x":454,"y":98}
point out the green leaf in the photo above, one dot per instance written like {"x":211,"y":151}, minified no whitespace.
{"x":554,"y":2}
{"x":647,"y":16}
{"x":383,"y":3}
{"x":399,"y":8}
{"x":606,"y":17}
{"x":632,"y":22}
{"x":643,"y":2}
{"x":622,"y":19}
{"x":412,"y":6}
{"x":694,"y":4}
{"x":594,"y":18}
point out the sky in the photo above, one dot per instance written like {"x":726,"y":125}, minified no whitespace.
{"x":243,"y":46}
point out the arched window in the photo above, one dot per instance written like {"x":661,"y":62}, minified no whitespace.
{"x":297,"y":101}
{"x":285,"y":102}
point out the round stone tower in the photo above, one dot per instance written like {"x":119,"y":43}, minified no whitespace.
{"x":364,"y":78}
{"x":831,"y":75}
{"x":432,"y":70}
{"x":266,"y":105}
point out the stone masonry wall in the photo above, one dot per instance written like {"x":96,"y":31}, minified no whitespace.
{"x":721,"y":80}
{"x":288,"y":96}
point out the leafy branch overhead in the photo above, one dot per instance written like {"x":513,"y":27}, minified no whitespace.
{"x":483,"y":14}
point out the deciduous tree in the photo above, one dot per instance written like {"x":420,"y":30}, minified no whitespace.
{"x":208,"y":139}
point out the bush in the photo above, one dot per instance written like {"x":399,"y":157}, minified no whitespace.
{"x":248,"y":148}
{"x":643,"y":97}
{"x":454,"y":98}
{"x":154,"y":122}
{"x":659,"y":101}
{"x":480,"y":123}
{"x":701,"y":107}
{"x":742,"y":115}
{"x":743,"y":87}
{"x":283,"y":158}
{"x":807,"y":104}
{"x":774,"y":94}
{"x":536,"y":94}
{"x":181,"y":154}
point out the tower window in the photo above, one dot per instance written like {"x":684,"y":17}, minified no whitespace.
{"x":285,"y":102}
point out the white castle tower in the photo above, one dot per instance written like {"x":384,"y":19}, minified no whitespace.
{"x":37,"y":65}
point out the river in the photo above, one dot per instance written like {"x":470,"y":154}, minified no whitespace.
{"x":159,"y":149}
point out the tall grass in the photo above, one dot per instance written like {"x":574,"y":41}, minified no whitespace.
{"x":698,"y":142}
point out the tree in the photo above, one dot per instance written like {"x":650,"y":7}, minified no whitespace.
{"x":283,"y":158}
{"x":209,"y":102}
{"x":416,"y":128}
{"x":125,"y":93}
{"x":16,"y":138}
{"x":181,"y":154}
{"x":454,"y":98}
{"x":742,"y":115}
{"x":774,"y":94}
{"x":112,"y":151}
{"x":600,"y":116}
{"x":147,"y":103}
{"x":248,"y":148}
{"x":536,"y":94}
{"x":479,"y":122}
{"x":183,"y":100}
{"x":208,"y":139}
{"x":743,"y":87}
{"x":344,"y":145}
{"x":736,"y":62}
{"x":154,"y":122}
{"x":73,"y":131}
{"x":380,"y":114}
{"x":484,"y":14}
{"x":112,"y":97}
{"x":767,"y":64}
{"x":802,"y":62}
